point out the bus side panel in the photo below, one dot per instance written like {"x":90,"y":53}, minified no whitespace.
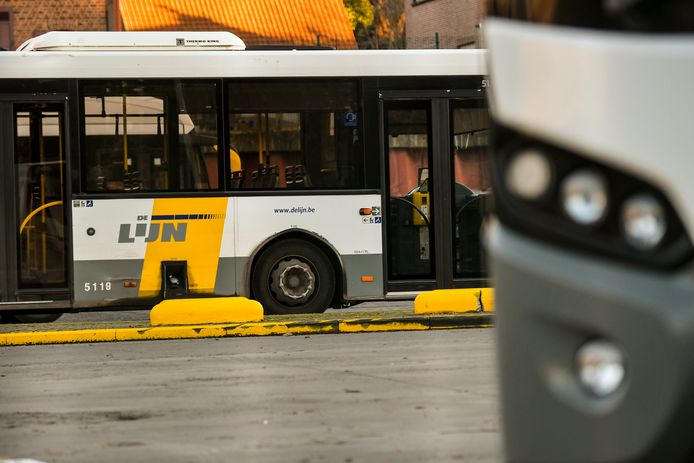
{"x":102,"y":259}
{"x":121,"y":243}
{"x":334,"y":218}
{"x":226,"y":283}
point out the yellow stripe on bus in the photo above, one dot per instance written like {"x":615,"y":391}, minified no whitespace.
{"x":200,"y":246}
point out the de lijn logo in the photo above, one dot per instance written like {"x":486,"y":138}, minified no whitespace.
{"x":158,"y":229}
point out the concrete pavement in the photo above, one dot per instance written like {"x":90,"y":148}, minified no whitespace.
{"x":379,"y":397}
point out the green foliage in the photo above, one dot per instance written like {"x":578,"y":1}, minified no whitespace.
{"x":359,"y":12}
{"x":388,"y":27}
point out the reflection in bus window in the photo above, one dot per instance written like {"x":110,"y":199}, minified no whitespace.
{"x":410,"y":233}
{"x":296,"y":134}
{"x":408,"y":148}
{"x":150,"y":137}
{"x":470,"y":137}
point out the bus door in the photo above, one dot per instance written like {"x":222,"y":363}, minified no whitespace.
{"x":437,"y":189}
{"x":33,"y":158}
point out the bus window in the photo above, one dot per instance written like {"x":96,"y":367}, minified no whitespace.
{"x":296,"y":134}
{"x":262,"y":140}
{"x":410,"y":231}
{"x":141,"y":136}
{"x":472,"y":185}
{"x":39,"y":162}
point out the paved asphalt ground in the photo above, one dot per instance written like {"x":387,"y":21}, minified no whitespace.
{"x":378,"y":397}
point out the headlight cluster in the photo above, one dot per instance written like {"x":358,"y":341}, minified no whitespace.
{"x":529,"y":174}
{"x":584,"y":196}
{"x":553,"y":192}
{"x":643,"y":221}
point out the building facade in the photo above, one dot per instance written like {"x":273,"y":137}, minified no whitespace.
{"x":444,"y":23}
{"x":21,"y":20}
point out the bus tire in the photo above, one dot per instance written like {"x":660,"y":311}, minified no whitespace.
{"x":293,"y":276}
{"x":36,"y":317}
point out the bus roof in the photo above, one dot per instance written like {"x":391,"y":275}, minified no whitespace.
{"x":123,"y":41}
{"x":202,"y":63}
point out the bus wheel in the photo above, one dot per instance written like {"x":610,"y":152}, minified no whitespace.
{"x":36,"y":317}
{"x":293,"y":276}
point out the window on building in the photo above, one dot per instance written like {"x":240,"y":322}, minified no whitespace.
{"x":295,"y":134}
{"x":5,"y":29}
{"x":144,"y":136}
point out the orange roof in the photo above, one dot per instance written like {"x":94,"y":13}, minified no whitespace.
{"x":257,"y":22}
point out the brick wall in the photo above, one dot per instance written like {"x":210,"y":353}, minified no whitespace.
{"x":456,"y":21}
{"x":34,"y":17}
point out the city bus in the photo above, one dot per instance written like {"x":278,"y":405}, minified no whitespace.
{"x":591,"y":245}
{"x":149,"y":165}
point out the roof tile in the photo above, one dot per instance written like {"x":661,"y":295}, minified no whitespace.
{"x":257,"y":22}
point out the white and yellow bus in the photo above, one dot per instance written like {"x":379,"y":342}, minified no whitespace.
{"x":141,"y":166}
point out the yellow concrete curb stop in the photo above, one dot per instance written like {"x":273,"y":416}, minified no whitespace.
{"x":455,"y":300}
{"x":214,"y":310}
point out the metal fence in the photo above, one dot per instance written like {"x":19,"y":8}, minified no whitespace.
{"x":364,"y":42}
{"x":422,"y":42}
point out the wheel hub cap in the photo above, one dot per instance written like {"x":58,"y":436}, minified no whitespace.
{"x":293,"y":281}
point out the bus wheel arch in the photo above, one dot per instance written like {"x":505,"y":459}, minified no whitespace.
{"x":304,"y":258}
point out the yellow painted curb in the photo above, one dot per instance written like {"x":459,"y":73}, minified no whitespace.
{"x":360,"y":326}
{"x":206,"y":311}
{"x":371,"y":325}
{"x":59,"y":337}
{"x":170,"y":332}
{"x":454,"y":300}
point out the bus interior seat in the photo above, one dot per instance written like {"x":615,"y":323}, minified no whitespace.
{"x":272,"y":177}
{"x":265,"y":177}
{"x":237,"y":178}
{"x":468,"y":222}
{"x":329,"y":176}
{"x":254,"y":179}
{"x":132,"y":181}
{"x":296,"y":176}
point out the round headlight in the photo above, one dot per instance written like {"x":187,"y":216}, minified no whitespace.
{"x":584,"y":197}
{"x":529,"y":174}
{"x":643,"y":222}
{"x":600,"y":367}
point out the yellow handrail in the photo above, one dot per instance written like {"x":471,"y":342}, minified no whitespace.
{"x":125,"y":135}
{"x":36,"y":211}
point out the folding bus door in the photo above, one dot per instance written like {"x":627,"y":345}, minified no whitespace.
{"x":437,"y":191}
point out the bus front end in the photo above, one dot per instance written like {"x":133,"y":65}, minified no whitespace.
{"x":593,"y":105}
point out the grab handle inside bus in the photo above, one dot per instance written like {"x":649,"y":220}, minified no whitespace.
{"x":36,"y":211}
